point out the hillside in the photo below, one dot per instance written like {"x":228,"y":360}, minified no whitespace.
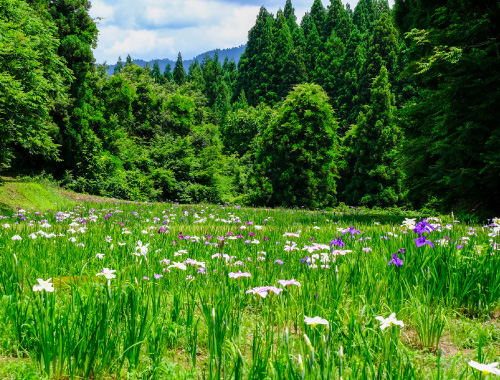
{"x":231,"y":53}
{"x":28,"y":194}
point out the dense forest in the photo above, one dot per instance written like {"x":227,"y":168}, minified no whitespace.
{"x":374,"y":106}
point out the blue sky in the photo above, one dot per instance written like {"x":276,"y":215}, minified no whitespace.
{"x":150,"y":29}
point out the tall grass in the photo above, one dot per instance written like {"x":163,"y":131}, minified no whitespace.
{"x":154,"y":320}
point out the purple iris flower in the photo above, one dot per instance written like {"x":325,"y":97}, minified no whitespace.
{"x":422,"y":227}
{"x":402,"y":250}
{"x":352,"y":230}
{"x":278,"y":261}
{"x":396,"y":261}
{"x":337,"y":242}
{"x":422,"y":240}
{"x":306,"y":260}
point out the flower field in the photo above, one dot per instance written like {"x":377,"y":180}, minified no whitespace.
{"x":168,"y":291}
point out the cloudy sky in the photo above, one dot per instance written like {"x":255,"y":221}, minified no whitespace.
{"x":150,"y":29}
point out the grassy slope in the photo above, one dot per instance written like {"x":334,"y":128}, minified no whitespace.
{"x":30,"y":195}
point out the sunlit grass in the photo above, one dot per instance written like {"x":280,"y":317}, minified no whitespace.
{"x":150,"y":319}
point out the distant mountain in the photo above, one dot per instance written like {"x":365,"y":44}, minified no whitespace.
{"x":234,"y":53}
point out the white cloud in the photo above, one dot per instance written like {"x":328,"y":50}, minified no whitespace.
{"x":105,"y":12}
{"x":149,"y":29}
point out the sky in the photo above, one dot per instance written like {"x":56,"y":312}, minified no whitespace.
{"x":157,"y":29}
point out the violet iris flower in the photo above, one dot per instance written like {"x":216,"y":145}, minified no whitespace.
{"x":337,"y":242}
{"x":422,"y":240}
{"x":306,"y":260}
{"x":352,"y":230}
{"x":422,"y":227}
{"x":396,"y":261}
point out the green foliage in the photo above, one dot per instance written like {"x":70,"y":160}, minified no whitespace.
{"x":296,"y":160}
{"x":179,"y":74}
{"x":156,"y":73}
{"x":32,"y":78}
{"x":374,"y":148}
{"x":244,"y":126}
{"x":289,"y":67}
{"x":453,"y":131}
{"x":215,"y":88}
{"x":256,"y":65}
{"x":182,"y":110}
{"x":62,"y":113}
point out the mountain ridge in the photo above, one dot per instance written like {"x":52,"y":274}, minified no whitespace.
{"x":230,"y":53}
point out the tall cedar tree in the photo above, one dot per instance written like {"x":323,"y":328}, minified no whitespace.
{"x":289,"y":68}
{"x":313,"y":45}
{"x":348,"y":102}
{"x":256,"y":65}
{"x":230,"y":75}
{"x":329,"y":65}
{"x":364,"y":16}
{"x":318,"y":14}
{"x":195,"y":76}
{"x":156,"y":73}
{"x":119,"y":66}
{"x":296,"y":164}
{"x":453,"y":158}
{"x":376,"y":144}
{"x":291,"y":19}
{"x":167,"y":73}
{"x":338,"y":20}
{"x":79,"y":120}
{"x":216,"y":90}
{"x":383,"y":45}
{"x":179,"y":74}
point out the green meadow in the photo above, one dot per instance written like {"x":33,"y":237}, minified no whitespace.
{"x":108,"y":290}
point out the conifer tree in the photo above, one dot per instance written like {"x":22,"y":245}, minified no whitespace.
{"x":318,"y":14}
{"x":339,"y":21}
{"x":156,"y":73}
{"x":195,"y":76}
{"x":383,"y":48}
{"x":256,"y":65}
{"x":230,"y":75}
{"x":291,"y":19}
{"x":179,"y":74}
{"x":312,"y":47}
{"x":216,"y":91}
{"x":167,"y":74}
{"x":81,"y":119}
{"x":128,"y":61}
{"x":329,"y":67}
{"x":348,"y":102}
{"x":364,"y":16}
{"x":119,"y":66}
{"x":375,"y":146}
{"x":290,"y":69}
